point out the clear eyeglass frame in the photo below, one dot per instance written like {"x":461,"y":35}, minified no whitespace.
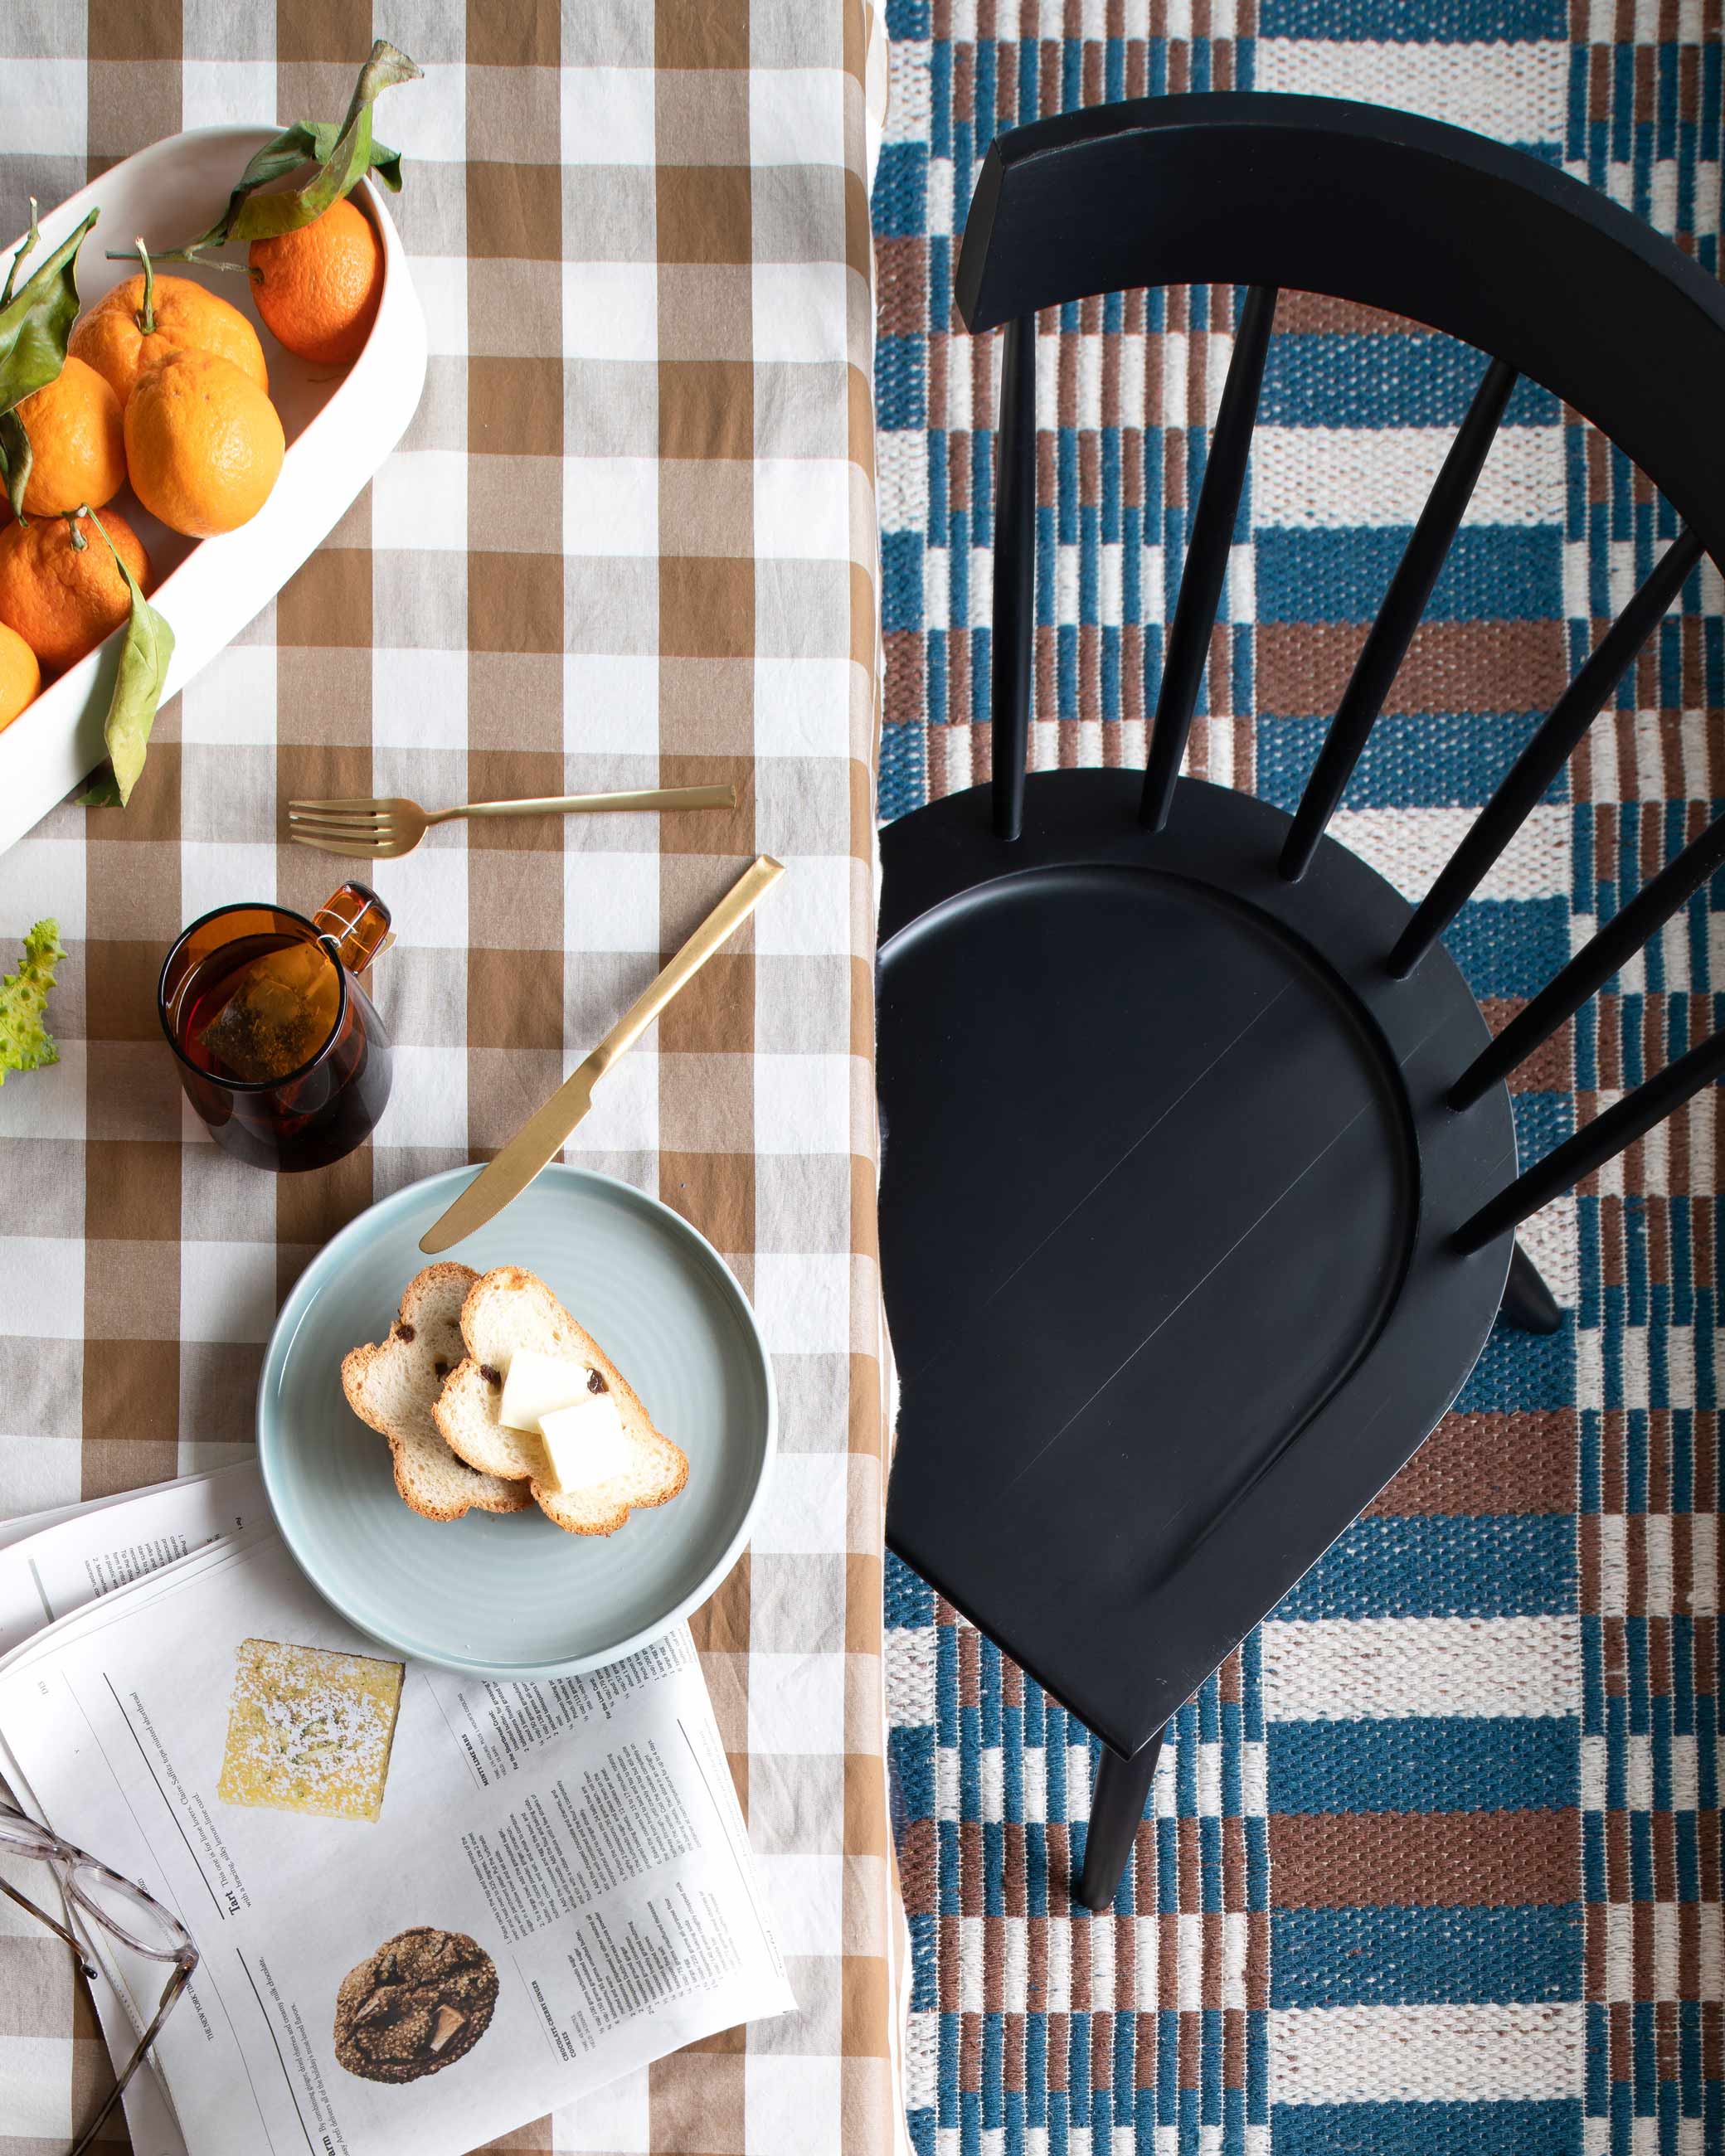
{"x":122,"y":1908}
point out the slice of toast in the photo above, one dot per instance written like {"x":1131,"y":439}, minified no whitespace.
{"x":506,"y":1312}
{"x":394,"y":1385}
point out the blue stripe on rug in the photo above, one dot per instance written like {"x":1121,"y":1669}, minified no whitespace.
{"x":1510,"y":947}
{"x":1417,"y":21}
{"x":1492,"y":572}
{"x":1493,"y":1566}
{"x":1429,"y":1764}
{"x":1396,"y":379}
{"x":1372,"y":1957}
{"x":1427,"y":2130}
{"x":1516,"y":1370}
{"x":1427,"y":760}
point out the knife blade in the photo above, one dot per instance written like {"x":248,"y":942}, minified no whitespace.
{"x":544,"y":1134}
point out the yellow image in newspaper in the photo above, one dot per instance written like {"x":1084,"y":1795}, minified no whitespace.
{"x":310,"y":1730}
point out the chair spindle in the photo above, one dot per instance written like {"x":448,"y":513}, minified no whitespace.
{"x":1404,"y":604}
{"x":1014,"y":619}
{"x":1598,"y":959}
{"x":1188,"y":642}
{"x":1598,"y":1141}
{"x":1545,"y":756}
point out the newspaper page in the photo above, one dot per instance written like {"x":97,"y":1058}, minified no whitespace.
{"x":19,"y":1525}
{"x":55,"y":1562}
{"x":428,"y":1907}
{"x":58,"y":1561}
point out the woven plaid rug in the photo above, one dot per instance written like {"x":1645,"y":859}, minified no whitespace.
{"x":1433,"y":1862}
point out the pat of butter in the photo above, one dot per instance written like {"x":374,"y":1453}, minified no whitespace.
{"x":586,"y":1443}
{"x":534,"y":1385}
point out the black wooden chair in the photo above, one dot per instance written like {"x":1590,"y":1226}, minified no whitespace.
{"x":1200,"y":1181}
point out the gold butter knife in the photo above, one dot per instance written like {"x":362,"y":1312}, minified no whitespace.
{"x":542,"y":1136}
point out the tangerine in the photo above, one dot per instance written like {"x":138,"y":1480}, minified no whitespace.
{"x":20,"y":675}
{"x":203,"y":444}
{"x":317,"y":289}
{"x":59,"y":589}
{"x":111,"y":337}
{"x":77,"y":449}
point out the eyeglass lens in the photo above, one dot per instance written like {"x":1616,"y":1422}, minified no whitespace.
{"x":125,"y":1909}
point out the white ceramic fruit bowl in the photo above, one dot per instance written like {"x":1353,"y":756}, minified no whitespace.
{"x":340,"y":423}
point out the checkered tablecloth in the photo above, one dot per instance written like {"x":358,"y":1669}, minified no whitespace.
{"x":631,"y":538}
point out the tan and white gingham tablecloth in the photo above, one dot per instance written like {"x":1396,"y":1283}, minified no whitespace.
{"x":630,"y":539}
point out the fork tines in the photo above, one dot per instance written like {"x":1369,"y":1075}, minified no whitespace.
{"x":343,"y":827}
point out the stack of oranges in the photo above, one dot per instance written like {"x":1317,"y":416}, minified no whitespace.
{"x":165,"y":386}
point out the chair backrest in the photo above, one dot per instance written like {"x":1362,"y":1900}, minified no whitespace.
{"x":1548,"y":278}
{"x":1320,"y":195}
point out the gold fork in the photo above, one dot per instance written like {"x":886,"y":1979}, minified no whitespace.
{"x":388,"y":827}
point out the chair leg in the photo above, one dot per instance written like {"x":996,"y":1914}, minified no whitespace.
{"x":1116,"y":1806}
{"x":1528,"y":1304}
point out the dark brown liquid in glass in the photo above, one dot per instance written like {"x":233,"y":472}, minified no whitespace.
{"x":250,"y":1018}
{"x":214,"y":1004}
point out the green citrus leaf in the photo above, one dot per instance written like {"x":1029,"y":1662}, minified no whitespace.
{"x":285,"y":153}
{"x":36,"y":321}
{"x":15,"y":457}
{"x":266,"y":217}
{"x":137,"y":690}
{"x":26,"y":245}
{"x":103,"y":791}
{"x":386,"y":162}
{"x":343,"y":155}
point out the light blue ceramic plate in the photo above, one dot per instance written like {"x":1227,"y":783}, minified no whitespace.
{"x":508,"y":1594}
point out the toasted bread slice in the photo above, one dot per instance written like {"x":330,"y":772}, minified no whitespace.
{"x":509,"y":1311}
{"x":394,"y":1385}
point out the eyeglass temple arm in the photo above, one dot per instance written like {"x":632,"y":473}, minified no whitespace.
{"x":24,"y":1901}
{"x":176,"y":1984}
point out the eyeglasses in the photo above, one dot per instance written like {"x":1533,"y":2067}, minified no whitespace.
{"x":122,"y":1908}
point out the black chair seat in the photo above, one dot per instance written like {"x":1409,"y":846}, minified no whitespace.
{"x":1199,"y":1187}
{"x":1157,"y":1122}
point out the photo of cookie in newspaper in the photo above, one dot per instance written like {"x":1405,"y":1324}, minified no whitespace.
{"x":310,"y":1730}
{"x":422,"y":2001}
